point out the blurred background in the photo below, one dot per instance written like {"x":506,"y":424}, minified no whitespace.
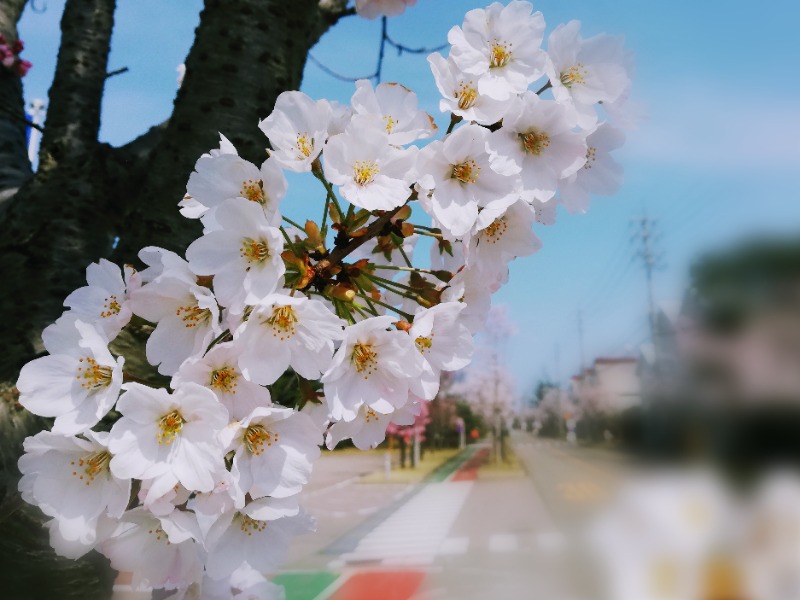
{"x":631,"y":427}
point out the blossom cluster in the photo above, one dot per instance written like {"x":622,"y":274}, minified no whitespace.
{"x":194,"y":486}
{"x":9,"y":57}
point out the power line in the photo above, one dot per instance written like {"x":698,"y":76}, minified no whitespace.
{"x":645,"y":234}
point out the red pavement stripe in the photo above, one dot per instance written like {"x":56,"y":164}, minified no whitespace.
{"x":470,"y":470}
{"x":380,"y":585}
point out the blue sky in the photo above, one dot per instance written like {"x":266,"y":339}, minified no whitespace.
{"x":715,"y":159}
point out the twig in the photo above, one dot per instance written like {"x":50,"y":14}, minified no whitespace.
{"x":117,"y":72}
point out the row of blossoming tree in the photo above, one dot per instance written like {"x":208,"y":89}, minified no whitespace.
{"x":195,"y":487}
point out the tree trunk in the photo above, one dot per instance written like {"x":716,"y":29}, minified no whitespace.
{"x":85,"y":194}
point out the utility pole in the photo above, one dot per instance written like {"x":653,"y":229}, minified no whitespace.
{"x":580,"y":338}
{"x":644,"y":236}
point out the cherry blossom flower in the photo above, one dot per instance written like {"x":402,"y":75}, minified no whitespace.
{"x":463,"y":177}
{"x":501,"y":45}
{"x":226,"y":176}
{"x":498,"y":240}
{"x":219,"y":371}
{"x":371,"y":9}
{"x":244,"y":255}
{"x":444,"y":342}
{"x":68,"y":479}
{"x":370,"y":172}
{"x":585,"y":72}
{"x":104,"y":301}
{"x":537,"y":138}
{"x":375,"y":365}
{"x":368,"y":429}
{"x":258,"y":535}
{"x":274,"y":450}
{"x":600,"y":175}
{"x":396,"y":106}
{"x":474,"y":288}
{"x":460,"y":94}
{"x":288,"y":332}
{"x":161,"y":552}
{"x":187,"y":317}
{"x":297,"y":130}
{"x":77,"y":383}
{"x":171,"y":438}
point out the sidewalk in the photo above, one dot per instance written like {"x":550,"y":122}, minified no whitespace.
{"x":466,"y":531}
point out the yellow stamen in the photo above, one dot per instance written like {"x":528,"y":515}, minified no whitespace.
{"x":111,"y":307}
{"x":424,"y":343}
{"x":390,"y":123}
{"x":192,"y":316}
{"x":370,"y":415}
{"x":92,"y":375}
{"x":305,"y":146}
{"x":365,"y":359}
{"x":466,"y":172}
{"x":225,"y":380}
{"x":253,"y":191}
{"x":466,"y":94}
{"x":534,"y":142}
{"x":364,"y":171}
{"x":494,"y":232}
{"x":500,"y":55}
{"x":256,"y":437}
{"x":591,"y":156}
{"x":90,"y":466}
{"x":574,"y":75}
{"x":170,"y":426}
{"x":250,"y":526}
{"x":282,"y":322}
{"x":254,"y":251}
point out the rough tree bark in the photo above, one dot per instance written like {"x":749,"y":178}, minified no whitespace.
{"x":15,"y":168}
{"x":55,"y":222}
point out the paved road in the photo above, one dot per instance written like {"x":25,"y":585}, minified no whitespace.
{"x":463,"y":535}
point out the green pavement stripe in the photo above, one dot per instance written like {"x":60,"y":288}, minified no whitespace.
{"x":305,"y":585}
{"x":446,"y":469}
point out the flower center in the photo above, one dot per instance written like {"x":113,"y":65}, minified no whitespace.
{"x":591,"y":156}
{"x":364,"y":171}
{"x":500,"y":55}
{"x":92,"y":375}
{"x":256,"y":437}
{"x":466,"y":95}
{"x":282,"y":322}
{"x":466,"y":172}
{"x":253,"y":191}
{"x":160,"y":535}
{"x":494,"y":232}
{"x":534,"y":142}
{"x":305,"y":146}
{"x":365,"y":359}
{"x":170,"y":426}
{"x":254,"y":251}
{"x":192,"y":316}
{"x":225,"y":379}
{"x":111,"y":307}
{"x":573,"y":75}
{"x":90,"y":466}
{"x":369,"y":415}
{"x":390,"y":123}
{"x":424,"y":343}
{"x":250,"y":526}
